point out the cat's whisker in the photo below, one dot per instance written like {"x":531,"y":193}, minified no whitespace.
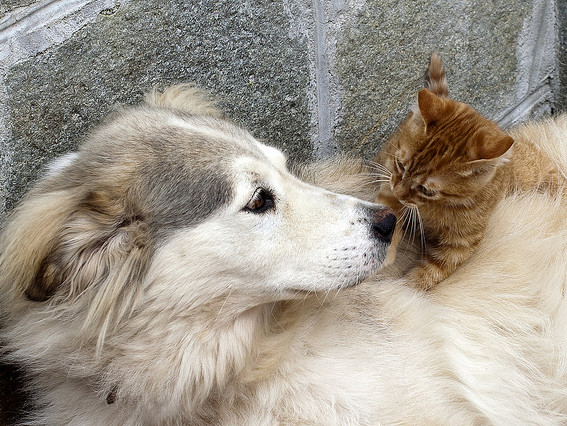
{"x":378,"y":175}
{"x":408,"y":225}
{"x":409,"y":222}
{"x":404,"y":217}
{"x":380,"y":167}
{"x":404,"y":221}
{"x":413,"y":225}
{"x":421,"y":232}
{"x":371,"y":182}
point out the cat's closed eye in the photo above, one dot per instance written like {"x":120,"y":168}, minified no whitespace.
{"x":400,"y":166}
{"x":426,"y":191}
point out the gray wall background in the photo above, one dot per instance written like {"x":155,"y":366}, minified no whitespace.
{"x":312,"y":77}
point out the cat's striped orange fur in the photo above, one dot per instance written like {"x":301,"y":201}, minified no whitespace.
{"x":451,"y":166}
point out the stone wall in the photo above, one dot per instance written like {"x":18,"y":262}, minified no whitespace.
{"x":311,"y":77}
{"x":561,"y":92}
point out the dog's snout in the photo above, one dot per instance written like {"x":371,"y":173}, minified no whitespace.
{"x":383,"y":223}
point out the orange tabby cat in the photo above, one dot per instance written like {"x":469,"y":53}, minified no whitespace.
{"x":449,"y":166}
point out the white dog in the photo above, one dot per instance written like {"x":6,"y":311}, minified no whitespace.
{"x":144,"y":274}
{"x":173,"y":272}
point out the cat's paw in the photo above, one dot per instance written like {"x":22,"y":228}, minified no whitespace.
{"x":426,"y":276}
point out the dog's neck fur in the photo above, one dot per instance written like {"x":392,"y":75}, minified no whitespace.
{"x":243,"y":363}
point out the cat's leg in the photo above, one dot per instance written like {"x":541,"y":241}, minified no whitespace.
{"x":427,"y":275}
{"x":439,"y":262}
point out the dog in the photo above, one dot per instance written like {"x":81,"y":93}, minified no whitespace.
{"x":173,"y":272}
{"x":148,"y":278}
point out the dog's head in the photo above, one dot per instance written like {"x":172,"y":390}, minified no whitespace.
{"x":168,"y":196}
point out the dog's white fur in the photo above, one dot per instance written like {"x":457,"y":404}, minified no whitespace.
{"x":126,"y":310}
{"x":220,"y":334}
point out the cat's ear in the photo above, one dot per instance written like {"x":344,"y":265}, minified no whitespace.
{"x":431,"y":106}
{"x":494,"y":146}
{"x":480,"y":172}
{"x":487,"y":155}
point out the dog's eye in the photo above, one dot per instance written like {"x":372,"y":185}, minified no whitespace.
{"x":426,"y":191}
{"x":261,"y":201}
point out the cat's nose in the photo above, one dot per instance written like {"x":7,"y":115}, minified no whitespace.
{"x":383,"y":223}
{"x":400,"y":192}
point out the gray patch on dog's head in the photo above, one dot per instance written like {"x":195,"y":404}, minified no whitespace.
{"x":183,"y":188}
{"x":171,"y":168}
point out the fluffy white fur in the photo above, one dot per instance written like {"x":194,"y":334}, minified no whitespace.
{"x":141,"y":275}
{"x":213,"y":338}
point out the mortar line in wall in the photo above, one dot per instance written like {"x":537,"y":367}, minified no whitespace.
{"x":7,"y":152}
{"x":38,"y":15}
{"x":542,"y":28}
{"x":513,"y":115}
{"x":535,"y":83}
{"x":322,"y":80}
{"x":30,"y":30}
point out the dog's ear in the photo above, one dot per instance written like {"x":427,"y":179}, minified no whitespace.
{"x":57,"y":246}
{"x":27,"y":239}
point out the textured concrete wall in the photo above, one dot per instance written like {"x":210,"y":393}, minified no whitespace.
{"x":561,"y":98}
{"x":312,"y":77}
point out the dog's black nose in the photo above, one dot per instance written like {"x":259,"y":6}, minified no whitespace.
{"x":383,"y":223}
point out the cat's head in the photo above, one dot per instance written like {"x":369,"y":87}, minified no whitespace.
{"x":445,"y":153}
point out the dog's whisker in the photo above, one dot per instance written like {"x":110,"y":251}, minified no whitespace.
{"x":224,"y":303}
{"x":327,"y":292}
{"x":297,"y":292}
{"x":307,"y":294}
{"x":338,"y":290}
{"x":272,"y":311}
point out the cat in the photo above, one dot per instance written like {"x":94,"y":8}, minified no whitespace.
{"x":447,"y":166}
